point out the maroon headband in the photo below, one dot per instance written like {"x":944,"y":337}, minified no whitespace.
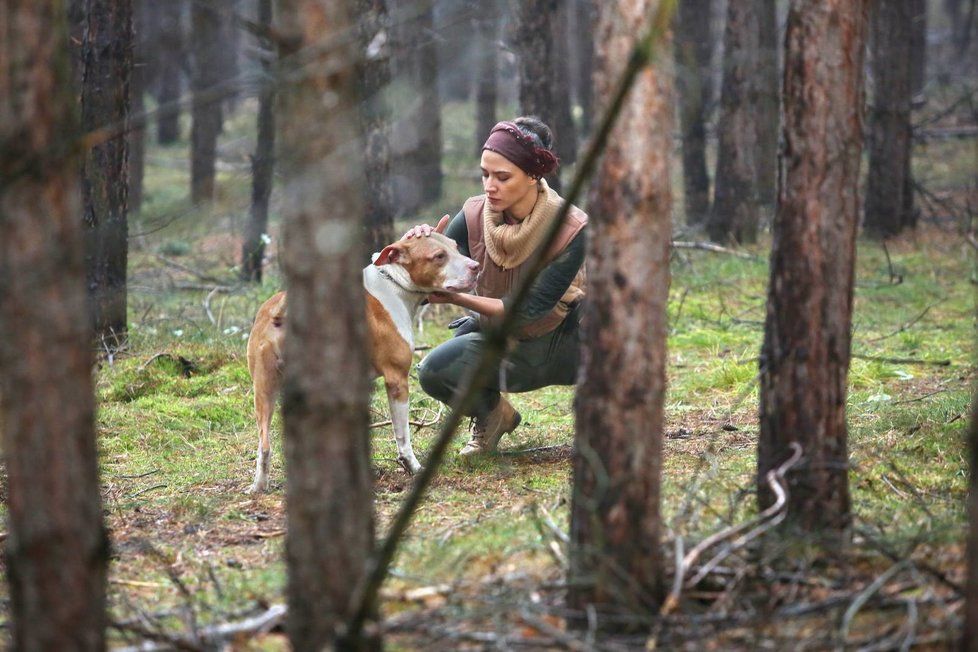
{"x":507,"y":139}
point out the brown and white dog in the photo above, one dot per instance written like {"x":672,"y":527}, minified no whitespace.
{"x":400,"y":278}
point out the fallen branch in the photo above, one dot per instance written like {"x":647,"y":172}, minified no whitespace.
{"x":752,"y":529}
{"x":873,"y":358}
{"x":207,"y":637}
{"x":714,"y":248}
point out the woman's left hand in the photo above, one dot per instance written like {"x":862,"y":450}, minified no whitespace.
{"x":440,"y":297}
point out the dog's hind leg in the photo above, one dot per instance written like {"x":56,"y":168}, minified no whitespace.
{"x":267,"y":379}
{"x":397,"y":400}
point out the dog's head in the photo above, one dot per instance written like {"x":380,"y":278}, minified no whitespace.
{"x":433,"y":263}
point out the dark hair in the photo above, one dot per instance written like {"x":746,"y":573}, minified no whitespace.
{"x":537,"y":130}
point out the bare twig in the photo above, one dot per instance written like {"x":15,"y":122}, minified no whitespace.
{"x":714,"y":248}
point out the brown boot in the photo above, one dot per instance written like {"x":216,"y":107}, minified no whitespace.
{"x":488,"y":430}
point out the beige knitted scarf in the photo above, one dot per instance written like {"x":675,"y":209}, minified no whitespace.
{"x":509,"y":245}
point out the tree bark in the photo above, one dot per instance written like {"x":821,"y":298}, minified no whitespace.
{"x":416,"y":141}
{"x":206,"y":110}
{"x":107,"y":47}
{"x":693,"y":53}
{"x":564,"y":130}
{"x":326,"y":387}
{"x":736,"y":210}
{"x":768,"y":118}
{"x":889,"y":193}
{"x":583,"y":43}
{"x":171,"y":56}
{"x":375,"y":121}
{"x":616,"y":562}
{"x":805,"y":356}
{"x":536,"y":53}
{"x":56,"y":549}
{"x":262,"y":164}
{"x":487,"y":86}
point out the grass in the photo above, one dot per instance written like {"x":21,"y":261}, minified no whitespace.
{"x":177,"y":440}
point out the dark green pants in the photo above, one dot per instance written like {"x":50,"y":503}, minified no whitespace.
{"x":548,"y":360}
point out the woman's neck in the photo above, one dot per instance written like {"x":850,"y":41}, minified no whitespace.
{"x":521,"y":209}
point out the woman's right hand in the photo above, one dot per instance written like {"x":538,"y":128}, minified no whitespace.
{"x":418,"y":231}
{"x":424,"y":230}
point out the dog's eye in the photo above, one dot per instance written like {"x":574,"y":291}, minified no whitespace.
{"x":440,"y":256}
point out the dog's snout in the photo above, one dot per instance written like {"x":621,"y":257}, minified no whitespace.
{"x":473,"y":265}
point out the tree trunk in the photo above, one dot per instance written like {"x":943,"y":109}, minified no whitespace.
{"x":171,"y":56}
{"x":416,"y":136}
{"x":889,"y":209}
{"x":970,"y":641}
{"x":565,"y":133}
{"x":375,"y":121}
{"x":206,"y":104}
{"x":262,"y":164}
{"x":230,"y":48}
{"x":145,"y":22}
{"x":56,"y":549}
{"x":583,"y":43}
{"x":326,"y":387}
{"x":107,"y":48}
{"x":487,"y":85}
{"x":735,"y":215}
{"x":536,"y":53}
{"x":918,"y":46}
{"x":768,"y":119}
{"x":805,"y":356}
{"x":616,"y":562}
{"x":693,"y":53}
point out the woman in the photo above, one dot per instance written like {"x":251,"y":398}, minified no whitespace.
{"x":501,"y":230}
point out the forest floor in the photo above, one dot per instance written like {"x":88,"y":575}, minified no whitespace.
{"x":485,"y":562}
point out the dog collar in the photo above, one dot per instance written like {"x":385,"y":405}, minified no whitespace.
{"x":406,"y":286}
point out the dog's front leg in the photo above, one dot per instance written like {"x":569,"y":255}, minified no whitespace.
{"x":397,"y":400}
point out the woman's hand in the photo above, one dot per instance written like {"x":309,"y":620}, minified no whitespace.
{"x":424,"y":230}
{"x":441,"y":297}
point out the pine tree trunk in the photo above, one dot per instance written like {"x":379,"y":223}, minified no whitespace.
{"x":918,"y":46}
{"x":805,"y":356}
{"x":534,"y":46}
{"x":565,"y":133}
{"x":584,"y":19}
{"x":262,"y":165}
{"x":56,"y":548}
{"x":768,"y":118}
{"x":416,"y":142}
{"x":888,"y":208}
{"x":736,"y":211}
{"x":616,"y":563}
{"x":206,"y":108}
{"x":326,"y":387}
{"x":375,"y":120}
{"x":487,"y":85}
{"x":107,"y":48}
{"x":171,"y":58}
{"x":693,"y":52}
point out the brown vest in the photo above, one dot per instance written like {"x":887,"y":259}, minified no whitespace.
{"x":496,"y":282}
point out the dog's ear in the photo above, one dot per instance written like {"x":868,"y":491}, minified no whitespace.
{"x":442,"y":224}
{"x":392,"y":253}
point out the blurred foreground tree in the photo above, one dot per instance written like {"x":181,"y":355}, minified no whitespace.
{"x":889,"y":187}
{"x":263,"y":161}
{"x":693,"y":53}
{"x":616,"y":563}
{"x":107,"y":63}
{"x":805,"y":356}
{"x":326,"y":389}
{"x":56,"y":548}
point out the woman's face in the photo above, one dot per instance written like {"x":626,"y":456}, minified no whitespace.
{"x":505,"y":183}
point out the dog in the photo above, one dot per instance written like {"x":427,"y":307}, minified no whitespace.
{"x":397,"y":282}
